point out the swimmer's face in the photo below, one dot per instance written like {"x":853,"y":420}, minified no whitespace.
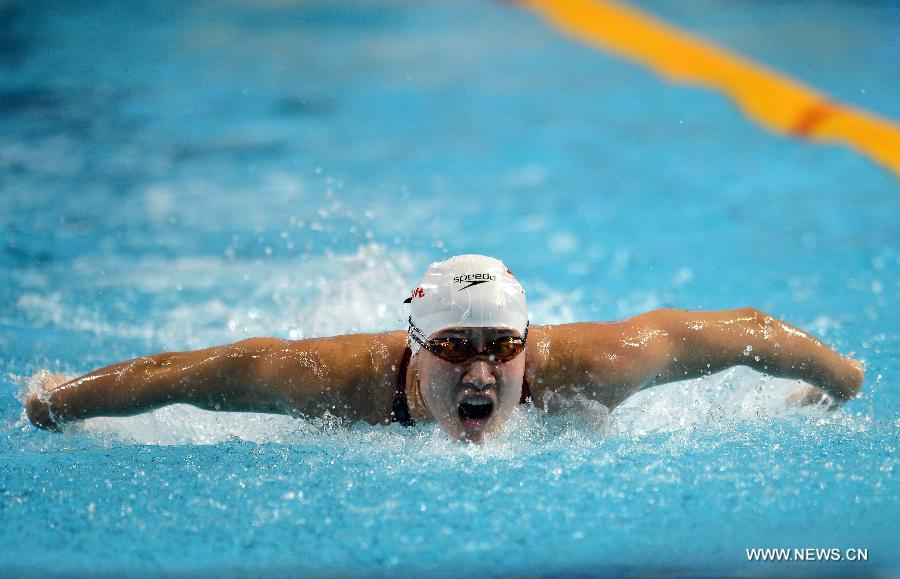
{"x":473,"y":398}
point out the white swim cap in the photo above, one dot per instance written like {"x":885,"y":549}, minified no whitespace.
{"x":466,"y":291}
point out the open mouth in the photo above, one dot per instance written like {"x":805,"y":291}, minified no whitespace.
{"x":475,"y":411}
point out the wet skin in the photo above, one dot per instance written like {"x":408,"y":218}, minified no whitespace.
{"x":354,"y":376}
{"x":492,"y":385}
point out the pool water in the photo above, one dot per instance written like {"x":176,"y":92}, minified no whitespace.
{"x":177,"y":175}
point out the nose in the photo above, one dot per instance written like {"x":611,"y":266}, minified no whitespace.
{"x":479,"y":375}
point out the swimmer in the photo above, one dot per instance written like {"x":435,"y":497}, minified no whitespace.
{"x":468,"y":357}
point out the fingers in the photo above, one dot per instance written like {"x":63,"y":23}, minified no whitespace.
{"x":843,"y":387}
{"x":856,"y":375}
{"x":38,"y":412}
{"x":812,"y":396}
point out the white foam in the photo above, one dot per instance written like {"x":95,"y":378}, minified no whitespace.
{"x":713,"y":404}
{"x":183,"y":424}
{"x":738,"y":394}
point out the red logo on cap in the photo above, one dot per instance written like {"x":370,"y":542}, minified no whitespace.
{"x":418,"y":293}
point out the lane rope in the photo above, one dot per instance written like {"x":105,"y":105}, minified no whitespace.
{"x":767,"y":97}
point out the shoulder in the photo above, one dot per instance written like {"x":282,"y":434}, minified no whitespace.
{"x":565,"y":353}
{"x":643,"y":329}
{"x":576,"y":338}
{"x":354,"y":373}
{"x":555,"y":347}
{"x":612,"y":350}
{"x":349,"y":353}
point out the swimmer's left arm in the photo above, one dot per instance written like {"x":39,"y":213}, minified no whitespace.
{"x":700,"y":343}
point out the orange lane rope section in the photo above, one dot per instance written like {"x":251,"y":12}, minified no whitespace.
{"x":769,"y":98}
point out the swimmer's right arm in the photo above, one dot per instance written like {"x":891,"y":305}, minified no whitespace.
{"x":253,"y":375}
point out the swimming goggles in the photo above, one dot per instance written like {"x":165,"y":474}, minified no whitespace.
{"x":459,"y":350}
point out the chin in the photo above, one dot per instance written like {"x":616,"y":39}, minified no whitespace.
{"x":473,"y":436}
{"x":477,"y":432}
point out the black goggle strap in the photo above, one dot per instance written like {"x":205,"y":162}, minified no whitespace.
{"x":413,"y":331}
{"x":419,"y":336}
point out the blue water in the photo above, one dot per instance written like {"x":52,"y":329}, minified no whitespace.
{"x":178,"y":175}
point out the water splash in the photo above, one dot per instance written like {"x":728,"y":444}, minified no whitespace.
{"x":715,"y":404}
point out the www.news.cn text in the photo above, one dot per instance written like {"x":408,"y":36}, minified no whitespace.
{"x":808,"y":554}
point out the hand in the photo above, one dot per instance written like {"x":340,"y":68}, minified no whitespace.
{"x":812,"y":396}
{"x":848,"y":383}
{"x":853,"y":377}
{"x":37,"y":406}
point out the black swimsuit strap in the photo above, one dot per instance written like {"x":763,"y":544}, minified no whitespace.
{"x":526,"y":391}
{"x":400,"y":412}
